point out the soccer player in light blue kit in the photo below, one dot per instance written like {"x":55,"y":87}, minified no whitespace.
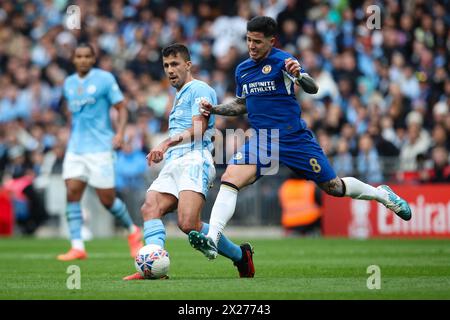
{"x":89,"y":159}
{"x":265,"y":90}
{"x":188,"y":171}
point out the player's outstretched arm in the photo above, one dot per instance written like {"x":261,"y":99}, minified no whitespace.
{"x":233,"y":108}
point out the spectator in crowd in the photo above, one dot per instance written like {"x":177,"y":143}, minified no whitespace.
{"x":417,"y":142}
{"x":440,"y":170}
{"x":343,"y":160}
{"x":368,"y":161}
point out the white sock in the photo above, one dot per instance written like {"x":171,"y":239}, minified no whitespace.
{"x":78,"y":244}
{"x":359,"y":190}
{"x":222,"y":212}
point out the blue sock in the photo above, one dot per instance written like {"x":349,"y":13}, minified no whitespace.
{"x":74,"y":219}
{"x":120,"y":211}
{"x":154,"y":232}
{"x":226,"y":247}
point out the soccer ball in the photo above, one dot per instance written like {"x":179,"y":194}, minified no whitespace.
{"x":152,"y":262}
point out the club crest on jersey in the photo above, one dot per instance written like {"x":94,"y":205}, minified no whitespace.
{"x":91,"y":89}
{"x":266,"y":69}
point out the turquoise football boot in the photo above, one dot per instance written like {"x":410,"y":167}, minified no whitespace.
{"x":203,"y":244}
{"x":396,"y":204}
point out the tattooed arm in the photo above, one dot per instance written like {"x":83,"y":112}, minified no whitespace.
{"x":233,"y":108}
{"x":307,"y":83}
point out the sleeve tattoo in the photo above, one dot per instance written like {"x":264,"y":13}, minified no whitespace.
{"x":308,"y":84}
{"x":233,"y":108}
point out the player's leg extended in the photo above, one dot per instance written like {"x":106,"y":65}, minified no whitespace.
{"x":74,"y":190}
{"x":357,"y":189}
{"x":235,"y":178}
{"x":303,"y":154}
{"x":119,"y":210}
{"x":189,"y":209}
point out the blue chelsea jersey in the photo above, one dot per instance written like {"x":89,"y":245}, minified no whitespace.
{"x":185,"y":106}
{"x":269,"y":93}
{"x":89,"y":100}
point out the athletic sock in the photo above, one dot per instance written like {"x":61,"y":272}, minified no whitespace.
{"x":226,"y":247}
{"x":222,"y":210}
{"x":154,"y":232}
{"x":357,"y":189}
{"x":75,"y":222}
{"x":120,"y":211}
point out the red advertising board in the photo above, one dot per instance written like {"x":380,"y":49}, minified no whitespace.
{"x":430,"y":206}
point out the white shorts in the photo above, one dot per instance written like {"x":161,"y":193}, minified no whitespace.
{"x":194,"y":171}
{"x":97,"y":169}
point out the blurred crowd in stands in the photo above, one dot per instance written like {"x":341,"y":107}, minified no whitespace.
{"x":381,"y":113}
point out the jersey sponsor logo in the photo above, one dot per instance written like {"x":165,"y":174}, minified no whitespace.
{"x":266,"y":69}
{"x":258,"y":87}
{"x":77,"y":105}
{"x":197,"y":100}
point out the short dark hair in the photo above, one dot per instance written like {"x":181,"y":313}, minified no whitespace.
{"x":266,"y":25}
{"x":175,"y":49}
{"x":85,"y":45}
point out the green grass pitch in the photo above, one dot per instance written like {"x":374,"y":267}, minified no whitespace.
{"x":290,"y":268}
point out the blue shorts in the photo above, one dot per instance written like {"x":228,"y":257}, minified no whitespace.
{"x":299,"y":151}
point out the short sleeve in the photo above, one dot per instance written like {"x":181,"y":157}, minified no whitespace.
{"x":238,"y":84}
{"x":113,"y":92}
{"x":200,"y":93}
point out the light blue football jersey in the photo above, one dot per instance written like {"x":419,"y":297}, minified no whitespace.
{"x":185,"y":106}
{"x":89,"y":100}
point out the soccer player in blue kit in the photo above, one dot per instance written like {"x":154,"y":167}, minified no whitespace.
{"x":89,"y":159}
{"x":188,"y":171}
{"x":265,"y":90}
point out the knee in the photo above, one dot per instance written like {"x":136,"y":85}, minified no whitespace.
{"x":73,"y":194}
{"x":107,"y":201}
{"x":333,"y":187}
{"x":230,"y":178}
{"x":151,"y":210}
{"x":187,"y":224}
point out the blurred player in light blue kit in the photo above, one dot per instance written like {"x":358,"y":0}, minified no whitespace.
{"x":188,"y":171}
{"x":89,"y":159}
{"x":265,"y":90}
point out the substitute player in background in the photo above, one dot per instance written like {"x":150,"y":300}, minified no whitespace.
{"x":89,"y":159}
{"x":265,"y":90}
{"x":188,"y":171}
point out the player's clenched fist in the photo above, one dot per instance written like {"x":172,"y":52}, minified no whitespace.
{"x":205,"y":108}
{"x":292,"y":67}
{"x":156,"y":154}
